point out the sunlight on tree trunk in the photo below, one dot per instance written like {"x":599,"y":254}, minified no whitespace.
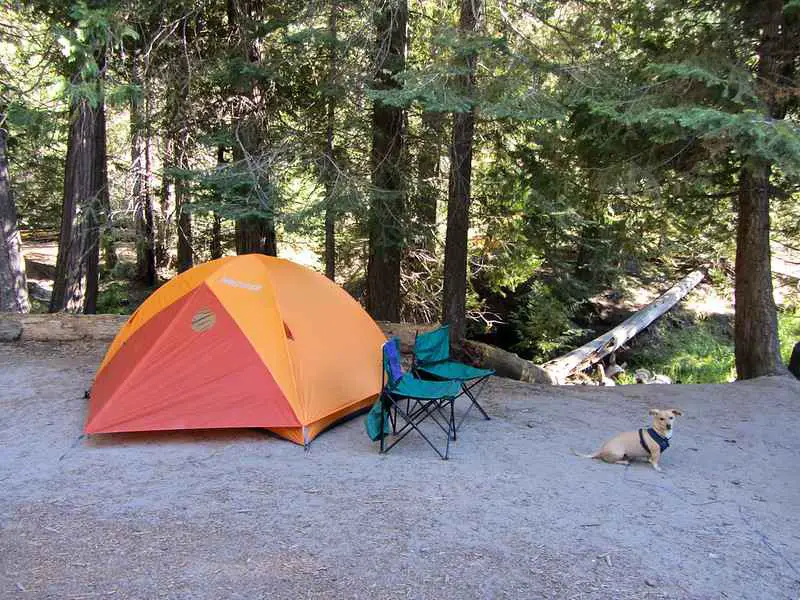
{"x":13,"y":283}
{"x":184,"y":217}
{"x":97,"y":215}
{"x":329,"y":166}
{"x":140,"y":173}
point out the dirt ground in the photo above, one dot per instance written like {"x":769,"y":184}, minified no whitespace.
{"x":512,"y":514}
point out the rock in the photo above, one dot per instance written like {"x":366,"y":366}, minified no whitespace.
{"x":794,"y":361}
{"x":39,"y":292}
{"x":10,"y":331}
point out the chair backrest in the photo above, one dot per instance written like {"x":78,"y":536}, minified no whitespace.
{"x":432,"y":346}
{"x":391,"y":361}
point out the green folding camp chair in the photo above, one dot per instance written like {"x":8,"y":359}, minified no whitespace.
{"x":406,"y":402}
{"x":432,"y":361}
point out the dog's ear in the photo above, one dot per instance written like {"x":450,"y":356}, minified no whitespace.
{"x":653,"y":412}
{"x":676,"y":412}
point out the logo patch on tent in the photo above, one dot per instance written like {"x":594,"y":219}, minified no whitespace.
{"x":203,"y":320}
{"x":253,"y":287}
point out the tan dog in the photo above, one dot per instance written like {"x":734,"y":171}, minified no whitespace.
{"x":647,"y":444}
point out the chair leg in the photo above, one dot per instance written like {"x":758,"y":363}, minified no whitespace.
{"x":383,"y":424}
{"x":452,"y":424}
{"x":418,"y":415}
{"x":473,"y":397}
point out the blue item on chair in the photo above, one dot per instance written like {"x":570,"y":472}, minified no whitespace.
{"x":412,"y":399}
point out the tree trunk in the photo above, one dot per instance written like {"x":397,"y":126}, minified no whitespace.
{"x":216,"y":237}
{"x":387,"y":203}
{"x":256,"y":233}
{"x":756,"y":322}
{"x":329,"y":167}
{"x":591,"y":352}
{"x":184,"y":217}
{"x":97,"y":215}
{"x":427,"y":197}
{"x":13,"y":283}
{"x":140,"y":172}
{"x":454,"y":305}
{"x":61,"y":327}
{"x":164,"y":235}
{"x":79,"y":183}
{"x":504,"y":363}
{"x":216,"y":225}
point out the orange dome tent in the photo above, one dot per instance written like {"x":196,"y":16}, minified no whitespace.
{"x":244,"y":341}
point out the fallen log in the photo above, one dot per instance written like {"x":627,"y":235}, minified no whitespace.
{"x":505,"y":364}
{"x":588,"y":354}
{"x":66,"y":327}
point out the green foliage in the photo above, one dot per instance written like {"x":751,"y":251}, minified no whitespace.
{"x":543,"y":325}
{"x":698,"y":353}
{"x":788,"y":331}
{"x":114,"y":299}
{"x":609,"y":140}
{"x":701,"y":352}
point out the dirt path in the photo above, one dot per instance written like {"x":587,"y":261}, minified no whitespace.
{"x":513,"y":514}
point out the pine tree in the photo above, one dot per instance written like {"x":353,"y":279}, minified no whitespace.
{"x":756,"y":327}
{"x":388,"y":196}
{"x":454,"y":307}
{"x":13,"y":284}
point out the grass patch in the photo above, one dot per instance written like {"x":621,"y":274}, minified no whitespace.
{"x":788,"y":332}
{"x":702,"y":352}
{"x":697,"y":353}
{"x":114,"y":299}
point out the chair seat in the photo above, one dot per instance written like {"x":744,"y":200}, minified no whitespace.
{"x":451,"y":370}
{"x":411,"y":387}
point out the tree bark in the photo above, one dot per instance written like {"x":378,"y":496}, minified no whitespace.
{"x":254,"y":233}
{"x":588,"y":354}
{"x":387,"y":202}
{"x":329,"y":167}
{"x":79,"y":184}
{"x":427,"y":197}
{"x":97,"y":215}
{"x":454,"y":305}
{"x":164,"y":226}
{"x":216,"y":225}
{"x":140,"y":172}
{"x":62,"y":327}
{"x":216,"y":237}
{"x":184,"y":217}
{"x":757,"y":347}
{"x":13,"y":283}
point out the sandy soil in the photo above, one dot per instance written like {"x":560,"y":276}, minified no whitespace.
{"x":241,"y":514}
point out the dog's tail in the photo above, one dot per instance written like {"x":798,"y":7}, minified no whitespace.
{"x":578,"y":454}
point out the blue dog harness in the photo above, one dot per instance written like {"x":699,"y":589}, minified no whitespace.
{"x":659,"y":439}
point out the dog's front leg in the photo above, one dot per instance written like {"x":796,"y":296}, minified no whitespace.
{"x":655,"y":455}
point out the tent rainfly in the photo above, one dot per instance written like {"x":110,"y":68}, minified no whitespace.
{"x":244,"y":341}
